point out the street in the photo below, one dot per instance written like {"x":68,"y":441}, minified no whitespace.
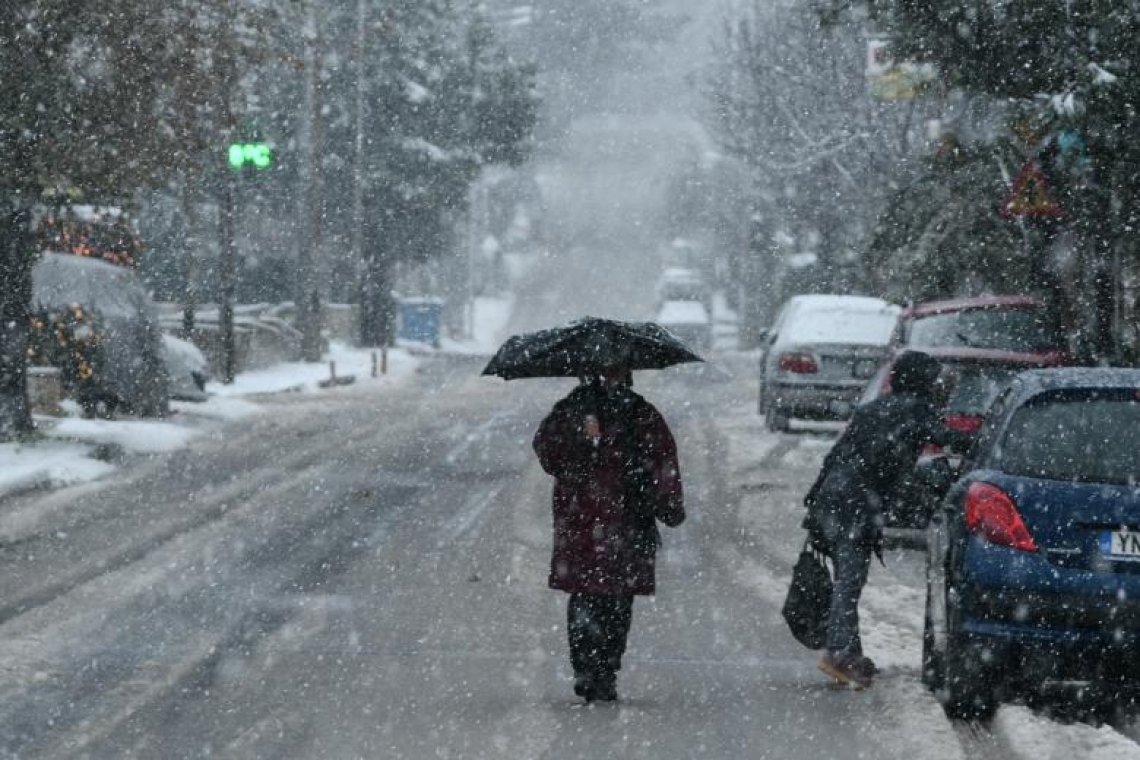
{"x":363,"y":575}
{"x":361,"y":572}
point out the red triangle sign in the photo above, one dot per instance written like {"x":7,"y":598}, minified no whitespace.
{"x":1030,"y":196}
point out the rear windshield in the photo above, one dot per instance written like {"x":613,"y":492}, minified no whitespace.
{"x":1020,"y":330}
{"x":1091,"y":438}
{"x":975,"y":386}
{"x":839,"y":325}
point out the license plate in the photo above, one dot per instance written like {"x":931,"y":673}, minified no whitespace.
{"x":1123,"y":545}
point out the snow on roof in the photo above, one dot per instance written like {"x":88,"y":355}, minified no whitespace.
{"x":679,"y":273}
{"x":850,"y":303}
{"x":683,"y":313}
{"x":981,"y":302}
{"x":840,"y":319}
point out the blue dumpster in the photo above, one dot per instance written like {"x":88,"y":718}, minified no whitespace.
{"x":419,"y":319}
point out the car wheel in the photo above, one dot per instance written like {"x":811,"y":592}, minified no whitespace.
{"x":968,"y":689}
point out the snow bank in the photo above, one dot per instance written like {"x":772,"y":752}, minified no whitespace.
{"x":46,"y":464}
{"x":64,"y":459}
{"x":135,"y":436}
{"x":1040,"y":739}
{"x":215,"y":408}
{"x":306,"y":376}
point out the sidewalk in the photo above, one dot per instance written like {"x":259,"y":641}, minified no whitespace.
{"x":74,"y":450}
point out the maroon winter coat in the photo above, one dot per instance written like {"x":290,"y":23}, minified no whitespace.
{"x":600,"y":546}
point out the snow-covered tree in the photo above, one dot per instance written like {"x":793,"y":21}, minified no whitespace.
{"x":1069,"y":70}
{"x":790,"y":102}
{"x":443,"y":101}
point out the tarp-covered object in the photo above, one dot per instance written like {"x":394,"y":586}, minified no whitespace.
{"x":135,"y":371}
{"x":588,"y":345}
{"x":187,"y":369}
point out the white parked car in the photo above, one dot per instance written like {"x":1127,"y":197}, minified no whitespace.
{"x":688,"y":320}
{"x":681,"y":284}
{"x":820,"y":350}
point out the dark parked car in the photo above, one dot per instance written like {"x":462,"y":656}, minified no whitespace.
{"x":970,"y":380}
{"x":819,"y":354}
{"x":1014,"y":323}
{"x":1033,"y":560}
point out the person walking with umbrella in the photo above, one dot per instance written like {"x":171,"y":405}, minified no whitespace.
{"x":616,"y":474}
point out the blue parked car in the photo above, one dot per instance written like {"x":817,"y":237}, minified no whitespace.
{"x":1033,"y":560}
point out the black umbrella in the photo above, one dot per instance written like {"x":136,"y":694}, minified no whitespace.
{"x":588,"y":345}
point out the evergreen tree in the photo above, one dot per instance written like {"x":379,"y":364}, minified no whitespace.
{"x":77,"y":90}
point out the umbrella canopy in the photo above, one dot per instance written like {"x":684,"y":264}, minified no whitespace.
{"x":588,"y":345}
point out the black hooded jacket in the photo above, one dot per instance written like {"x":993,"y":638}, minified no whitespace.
{"x":880,"y":446}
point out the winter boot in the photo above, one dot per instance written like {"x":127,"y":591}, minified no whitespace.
{"x":584,"y":686}
{"x":605,"y":686}
{"x":849,"y":669}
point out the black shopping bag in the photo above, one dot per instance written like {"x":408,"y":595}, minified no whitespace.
{"x":809,"y":599}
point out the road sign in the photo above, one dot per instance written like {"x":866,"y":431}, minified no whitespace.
{"x":1031,"y":197}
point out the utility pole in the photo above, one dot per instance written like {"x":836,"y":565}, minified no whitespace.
{"x":358,"y":138}
{"x":311,"y":197}
{"x":227,"y":250}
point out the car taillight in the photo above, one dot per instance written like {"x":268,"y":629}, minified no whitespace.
{"x":963,"y":423}
{"x":992,"y":515}
{"x":798,"y":363}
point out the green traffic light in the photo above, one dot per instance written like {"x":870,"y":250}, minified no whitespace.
{"x":236,"y":156}
{"x":259,"y":155}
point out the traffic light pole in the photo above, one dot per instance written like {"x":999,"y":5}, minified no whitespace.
{"x":227,"y":272}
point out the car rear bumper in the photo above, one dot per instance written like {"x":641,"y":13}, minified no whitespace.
{"x":1041,"y":654}
{"x":802,"y":400}
{"x":1068,"y":624}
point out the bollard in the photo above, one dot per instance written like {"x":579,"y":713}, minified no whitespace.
{"x":384,"y":361}
{"x":332,"y":372}
{"x":373,"y":364}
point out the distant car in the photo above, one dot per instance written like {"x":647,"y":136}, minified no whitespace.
{"x":1033,"y":559}
{"x":1014,"y":323}
{"x":187,"y":369}
{"x":681,"y":284}
{"x":134,"y":378}
{"x":688,"y":320}
{"x":819,"y":354}
{"x":970,"y":380}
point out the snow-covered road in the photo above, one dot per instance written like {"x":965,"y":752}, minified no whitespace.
{"x":363,"y":575}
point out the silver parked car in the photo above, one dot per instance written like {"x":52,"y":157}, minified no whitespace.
{"x":822,"y":349}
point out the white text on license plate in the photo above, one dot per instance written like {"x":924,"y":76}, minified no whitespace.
{"x":1120,"y":544}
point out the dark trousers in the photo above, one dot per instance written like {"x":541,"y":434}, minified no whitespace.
{"x":598,"y":627}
